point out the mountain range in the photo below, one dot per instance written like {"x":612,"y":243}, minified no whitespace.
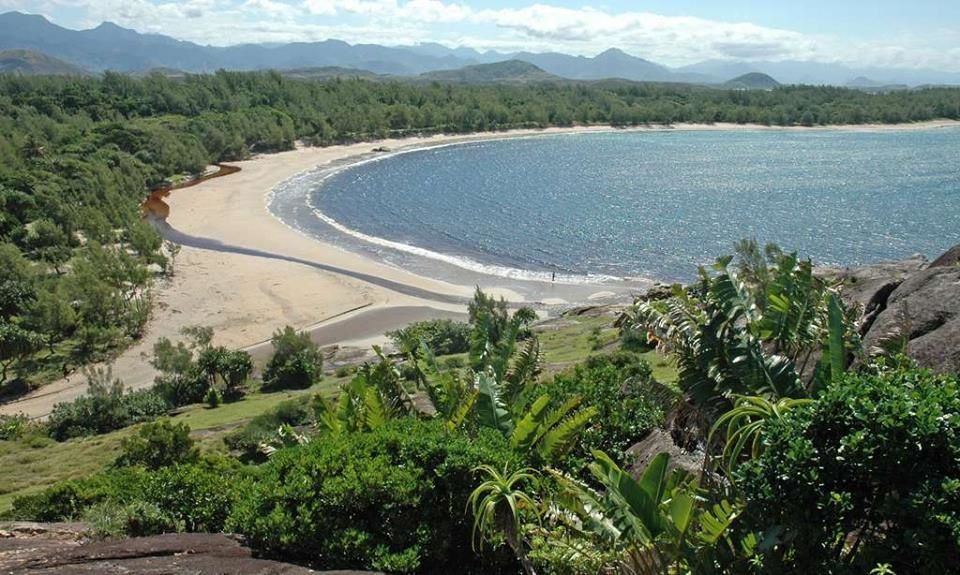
{"x":111,"y":47}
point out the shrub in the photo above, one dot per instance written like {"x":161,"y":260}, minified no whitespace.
{"x":442,"y":336}
{"x":194,"y":497}
{"x":104,"y":408}
{"x":296,"y":363}
{"x":618,"y":386}
{"x":13,"y":426}
{"x":158,"y":444}
{"x":875,"y":459}
{"x":392,"y":499}
{"x":69,"y":500}
{"x":134,"y":519}
{"x":344,"y":371}
{"x":246,"y":441}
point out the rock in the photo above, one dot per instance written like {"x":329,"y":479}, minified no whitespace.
{"x":660,"y":441}
{"x":949,"y":258}
{"x":926,"y":309}
{"x":869,"y":286}
{"x":43,"y":550}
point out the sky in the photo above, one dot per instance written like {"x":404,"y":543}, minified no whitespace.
{"x":888,"y":33}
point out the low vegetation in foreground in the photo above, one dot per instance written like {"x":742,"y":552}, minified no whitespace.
{"x":789,"y":447}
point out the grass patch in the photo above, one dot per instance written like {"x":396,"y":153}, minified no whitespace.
{"x":35,"y":462}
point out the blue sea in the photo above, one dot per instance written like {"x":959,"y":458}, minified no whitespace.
{"x":609,"y":208}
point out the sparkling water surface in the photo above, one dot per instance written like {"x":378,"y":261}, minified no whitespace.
{"x":598,"y":206}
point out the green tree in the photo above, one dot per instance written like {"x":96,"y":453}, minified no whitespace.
{"x":297,"y":362}
{"x":158,"y":444}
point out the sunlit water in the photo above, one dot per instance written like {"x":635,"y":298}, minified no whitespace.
{"x":607,"y":207}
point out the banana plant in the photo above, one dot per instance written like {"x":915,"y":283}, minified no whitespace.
{"x":751,"y":335}
{"x":659,"y":523}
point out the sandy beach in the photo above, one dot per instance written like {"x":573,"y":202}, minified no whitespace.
{"x":244,"y":273}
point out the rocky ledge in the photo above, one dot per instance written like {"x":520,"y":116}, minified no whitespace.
{"x":69,"y":549}
{"x":913,"y":300}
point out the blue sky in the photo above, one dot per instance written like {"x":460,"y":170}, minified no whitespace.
{"x":915,"y":34}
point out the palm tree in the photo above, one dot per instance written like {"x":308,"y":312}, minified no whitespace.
{"x":499,"y":505}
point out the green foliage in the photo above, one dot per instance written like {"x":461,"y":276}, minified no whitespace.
{"x":392,"y":499}
{"x":745,"y":424}
{"x":499,"y":506}
{"x":181,"y":381}
{"x":226,"y":370}
{"x":868,"y":474}
{"x":752,"y":331}
{"x":621,"y":389}
{"x":442,"y":336}
{"x":69,"y":500}
{"x":104,"y":408}
{"x":261,"y":429}
{"x":158,"y":444}
{"x":194,"y":497}
{"x":657,"y":523}
{"x":297,"y":362}
{"x":13,"y":426}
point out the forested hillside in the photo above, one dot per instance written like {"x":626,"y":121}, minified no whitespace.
{"x":78,"y":154}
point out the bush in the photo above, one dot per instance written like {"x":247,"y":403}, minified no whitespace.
{"x":225,"y":369}
{"x":296,"y":363}
{"x":69,"y":500}
{"x":876,"y":458}
{"x":390,"y":500}
{"x":157,"y":445}
{"x":13,"y":426}
{"x":345,"y":370}
{"x":194,"y":497}
{"x":246,"y":442}
{"x":104,"y":408}
{"x":135,"y":519}
{"x":442,"y":336}
{"x":618,"y":385}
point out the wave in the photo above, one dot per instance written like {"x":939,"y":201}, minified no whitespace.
{"x":464,"y":262}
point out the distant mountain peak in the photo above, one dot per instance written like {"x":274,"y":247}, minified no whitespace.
{"x":615,"y":54}
{"x":753,"y":81}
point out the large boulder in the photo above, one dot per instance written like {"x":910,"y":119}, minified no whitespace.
{"x":949,"y":258}
{"x":67,"y":549}
{"x":925,"y":309}
{"x":660,"y":441}
{"x":869,"y":286}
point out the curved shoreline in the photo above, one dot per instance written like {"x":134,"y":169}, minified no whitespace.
{"x":362,"y":244}
{"x":245,"y":297}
